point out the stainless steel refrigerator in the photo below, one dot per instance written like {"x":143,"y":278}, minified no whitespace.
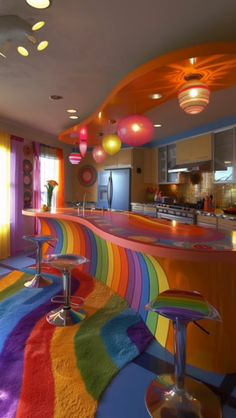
{"x":114,"y":189}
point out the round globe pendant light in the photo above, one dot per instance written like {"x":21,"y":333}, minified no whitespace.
{"x":39,"y":4}
{"x":111,"y":144}
{"x":99,"y":154}
{"x":75,"y":156}
{"x":135,"y":130}
{"x":194,"y":97}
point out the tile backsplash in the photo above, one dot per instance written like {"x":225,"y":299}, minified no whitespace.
{"x":224,"y":194}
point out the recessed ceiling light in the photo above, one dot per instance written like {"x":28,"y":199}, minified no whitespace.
{"x":74,"y":117}
{"x":39,"y":4}
{"x":22,"y":51}
{"x":55,"y":97}
{"x":71,"y":110}
{"x":193,"y":60}
{"x":42,"y":45}
{"x":157,"y":125}
{"x":156,"y":96}
{"x":38,"y":25}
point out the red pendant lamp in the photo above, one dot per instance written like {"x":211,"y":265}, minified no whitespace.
{"x":136,"y":130}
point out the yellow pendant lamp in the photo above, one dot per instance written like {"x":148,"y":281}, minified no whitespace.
{"x":111,"y":144}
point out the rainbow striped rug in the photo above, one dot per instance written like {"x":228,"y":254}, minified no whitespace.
{"x":49,"y":372}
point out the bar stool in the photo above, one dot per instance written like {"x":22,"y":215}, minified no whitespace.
{"x":179,"y":396}
{"x":38,"y":280}
{"x":65,"y":315}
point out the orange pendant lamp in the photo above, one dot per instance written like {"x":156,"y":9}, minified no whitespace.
{"x":194,"y":95}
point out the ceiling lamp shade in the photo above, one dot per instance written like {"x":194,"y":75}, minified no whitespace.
{"x":194,"y":97}
{"x":99,"y":154}
{"x":111,"y":144}
{"x":83,"y":134}
{"x":75,"y":156}
{"x":83,"y":147}
{"x":135,"y":130}
{"x":39,"y":4}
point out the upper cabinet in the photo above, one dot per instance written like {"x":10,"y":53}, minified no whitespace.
{"x":167,"y":162}
{"x":224,"y":156}
{"x":194,"y":150}
{"x":150,"y":165}
{"x":119,"y":160}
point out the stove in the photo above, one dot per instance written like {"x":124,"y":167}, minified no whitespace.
{"x":180,"y":213}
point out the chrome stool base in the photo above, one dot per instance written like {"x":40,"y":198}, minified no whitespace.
{"x":165,"y":400}
{"x":63,"y":317}
{"x":37,"y":281}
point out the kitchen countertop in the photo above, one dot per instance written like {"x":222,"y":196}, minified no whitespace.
{"x":153,"y":236}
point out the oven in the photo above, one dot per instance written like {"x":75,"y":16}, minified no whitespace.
{"x":183,"y":214}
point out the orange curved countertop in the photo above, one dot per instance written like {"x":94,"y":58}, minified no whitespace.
{"x":139,"y":257}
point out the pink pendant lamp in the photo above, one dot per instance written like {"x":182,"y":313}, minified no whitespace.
{"x":83,"y":135}
{"x":135,"y":130}
{"x":75,"y":156}
{"x":99,"y":154}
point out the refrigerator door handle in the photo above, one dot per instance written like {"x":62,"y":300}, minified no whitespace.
{"x":110,"y":191}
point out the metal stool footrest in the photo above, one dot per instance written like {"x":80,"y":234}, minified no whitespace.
{"x":75,"y":301}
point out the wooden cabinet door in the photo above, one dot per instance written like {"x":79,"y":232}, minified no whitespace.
{"x":183,"y":152}
{"x":201,"y":148}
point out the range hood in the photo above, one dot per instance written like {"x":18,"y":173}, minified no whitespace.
{"x":195,"y":166}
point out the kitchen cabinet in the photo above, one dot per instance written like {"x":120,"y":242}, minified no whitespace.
{"x":150,"y":165}
{"x":224,"y":156}
{"x":122,"y":159}
{"x":162,"y":165}
{"x":194,"y":150}
{"x":167,"y":161}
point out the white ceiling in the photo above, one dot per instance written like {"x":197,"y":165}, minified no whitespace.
{"x":93,"y":45}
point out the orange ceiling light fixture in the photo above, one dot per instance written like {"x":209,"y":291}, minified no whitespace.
{"x":194,"y":96}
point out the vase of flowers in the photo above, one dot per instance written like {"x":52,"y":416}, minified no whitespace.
{"x":50,"y":186}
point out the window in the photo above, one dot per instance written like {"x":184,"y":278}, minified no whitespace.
{"x":49,"y":170}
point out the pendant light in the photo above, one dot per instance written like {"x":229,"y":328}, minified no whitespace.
{"x":194,"y":95}
{"x":83,"y":145}
{"x":99,"y":154}
{"x":75,"y":156}
{"x":111,"y":144}
{"x":135,"y":130}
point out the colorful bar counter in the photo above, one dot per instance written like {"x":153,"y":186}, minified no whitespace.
{"x":139,"y":257}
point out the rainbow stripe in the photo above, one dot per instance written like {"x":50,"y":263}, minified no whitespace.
{"x":54,"y":372}
{"x":135,"y":276}
{"x":189,"y":306}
